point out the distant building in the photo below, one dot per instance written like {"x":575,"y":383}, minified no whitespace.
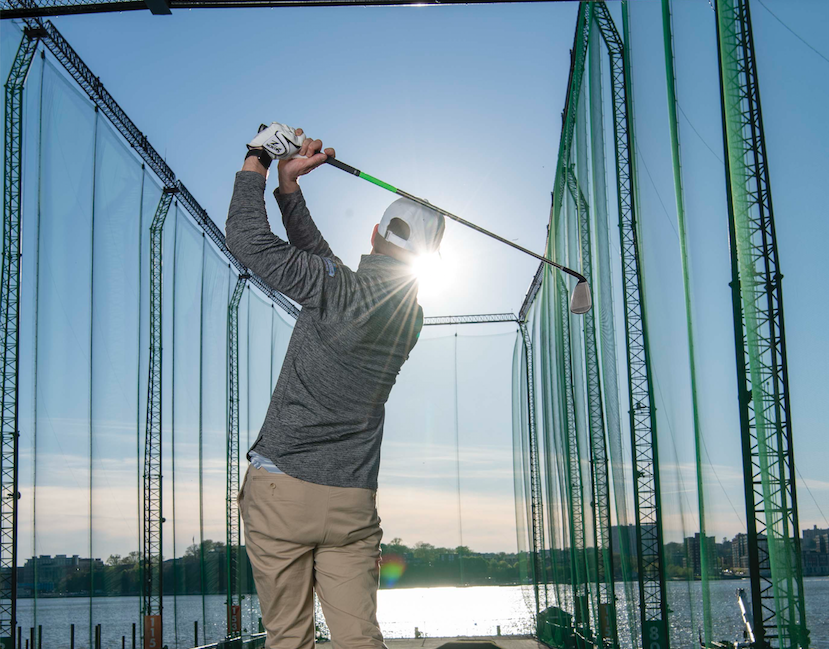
{"x":815,"y":564}
{"x":816,"y":539}
{"x":815,"y":552}
{"x":693,"y":558}
{"x":626,"y":534}
{"x":725,"y":555}
{"x":674,"y":554}
{"x":739,"y":552}
{"x":51,"y":575}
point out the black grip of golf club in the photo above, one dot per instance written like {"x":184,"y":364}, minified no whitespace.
{"x":342,"y":165}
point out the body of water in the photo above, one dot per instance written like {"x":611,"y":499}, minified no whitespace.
{"x":433,"y":611}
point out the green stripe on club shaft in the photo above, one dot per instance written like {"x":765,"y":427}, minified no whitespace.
{"x":400,"y":192}
{"x":378,"y":182}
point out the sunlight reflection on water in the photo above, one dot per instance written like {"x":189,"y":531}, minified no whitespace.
{"x":435,"y":612}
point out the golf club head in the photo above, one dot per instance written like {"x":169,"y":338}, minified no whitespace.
{"x":580,"y":301}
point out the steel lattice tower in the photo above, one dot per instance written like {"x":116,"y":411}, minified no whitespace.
{"x":234,"y":543}
{"x":651,"y":569}
{"x":536,"y":505}
{"x":760,"y":341}
{"x":9,"y":324}
{"x":606,"y":602}
{"x":152,"y":561}
{"x":575,"y":493}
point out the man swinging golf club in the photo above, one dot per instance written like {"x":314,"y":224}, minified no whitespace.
{"x":308,"y":499}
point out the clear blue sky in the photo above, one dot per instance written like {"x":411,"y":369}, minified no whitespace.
{"x":461,"y":105}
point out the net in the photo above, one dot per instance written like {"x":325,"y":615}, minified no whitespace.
{"x":587,"y":464}
{"x":647,"y":218}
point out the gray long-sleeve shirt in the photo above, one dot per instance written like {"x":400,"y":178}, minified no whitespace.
{"x":356,"y":329}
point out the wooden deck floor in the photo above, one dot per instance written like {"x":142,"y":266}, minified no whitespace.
{"x":496,"y":642}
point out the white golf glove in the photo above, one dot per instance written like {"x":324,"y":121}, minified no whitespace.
{"x":280,"y":141}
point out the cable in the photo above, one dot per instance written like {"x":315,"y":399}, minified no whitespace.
{"x":725,"y":493}
{"x":794,"y":33}
{"x":647,"y":171}
{"x":805,"y":484}
{"x":714,"y":153}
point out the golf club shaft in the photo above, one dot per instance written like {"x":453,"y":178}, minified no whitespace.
{"x":356,"y":172}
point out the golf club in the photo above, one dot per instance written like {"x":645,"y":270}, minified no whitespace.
{"x":580,"y":301}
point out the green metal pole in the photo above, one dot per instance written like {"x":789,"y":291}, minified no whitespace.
{"x":598,"y":446}
{"x":653,"y":602}
{"x":757,"y":295}
{"x":234,"y":543}
{"x":9,"y":328}
{"x":705,"y":551}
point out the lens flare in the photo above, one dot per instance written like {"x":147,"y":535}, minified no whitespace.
{"x":434,"y":274}
{"x":392,"y":568}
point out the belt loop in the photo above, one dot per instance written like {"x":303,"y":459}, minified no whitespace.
{"x":242,"y":487}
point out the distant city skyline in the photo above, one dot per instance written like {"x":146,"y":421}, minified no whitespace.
{"x":422,"y":117}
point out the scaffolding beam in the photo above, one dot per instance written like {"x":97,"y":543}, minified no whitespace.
{"x":63,"y":7}
{"x":9,"y":330}
{"x":575,"y":492}
{"x":152,"y":560}
{"x":234,"y":541}
{"x":598,"y":446}
{"x":536,"y":504}
{"x":653,"y":606}
{"x":468,"y":319}
{"x":92,"y":86}
{"x":773,"y":530}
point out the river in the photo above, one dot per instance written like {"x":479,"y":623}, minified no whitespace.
{"x":435,"y":612}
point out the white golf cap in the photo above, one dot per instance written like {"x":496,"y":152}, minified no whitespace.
{"x":412,"y":227}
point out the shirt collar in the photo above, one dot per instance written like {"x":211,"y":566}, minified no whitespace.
{"x":388,"y":267}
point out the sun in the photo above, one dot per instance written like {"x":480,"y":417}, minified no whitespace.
{"x":435,"y":274}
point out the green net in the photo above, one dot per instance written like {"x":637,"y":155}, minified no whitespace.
{"x":772,"y":517}
{"x":696,"y":441}
{"x":597,"y":483}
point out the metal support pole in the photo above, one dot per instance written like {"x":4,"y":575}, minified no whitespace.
{"x":234,"y":543}
{"x":152,"y":593}
{"x":536,"y":505}
{"x":575,"y":492}
{"x":763,"y":388}
{"x":653,"y":604}
{"x":9,"y":325}
{"x":598,"y":446}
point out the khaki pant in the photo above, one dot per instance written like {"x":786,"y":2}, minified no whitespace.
{"x":302,"y":537}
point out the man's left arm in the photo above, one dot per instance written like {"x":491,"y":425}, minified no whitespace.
{"x":306,"y":278}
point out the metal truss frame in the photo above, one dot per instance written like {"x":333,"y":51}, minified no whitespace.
{"x":763,"y":387}
{"x":152,"y":592}
{"x":649,"y":537}
{"x":234,"y":537}
{"x":434,"y":321}
{"x":9,"y":330}
{"x":536,"y":504}
{"x":579,"y":566}
{"x":598,"y":445}
{"x":151,"y":552}
{"x":10,"y":9}
{"x":641,"y":398}
{"x":92,"y":86}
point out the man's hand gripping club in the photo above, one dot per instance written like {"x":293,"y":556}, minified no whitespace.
{"x":297,"y":154}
